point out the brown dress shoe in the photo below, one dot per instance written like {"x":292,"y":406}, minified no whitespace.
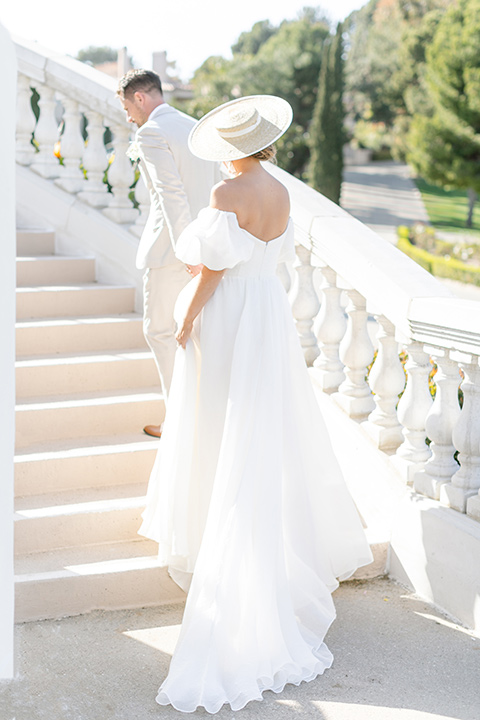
{"x":153,"y":430}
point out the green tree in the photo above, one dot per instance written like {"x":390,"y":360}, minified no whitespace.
{"x":97,"y":55}
{"x":285,"y":63}
{"x":249,"y":43}
{"x":386,"y":44}
{"x":445,"y":145}
{"x":411,"y":78}
{"x":212,"y":84}
{"x":373,"y":41}
{"x":326,"y":133}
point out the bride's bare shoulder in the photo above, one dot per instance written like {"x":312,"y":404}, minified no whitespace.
{"x":281,"y":191}
{"x":223,"y":195}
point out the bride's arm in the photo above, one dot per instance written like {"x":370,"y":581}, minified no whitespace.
{"x":207,"y":285}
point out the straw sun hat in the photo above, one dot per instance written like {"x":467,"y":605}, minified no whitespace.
{"x":240,"y":128}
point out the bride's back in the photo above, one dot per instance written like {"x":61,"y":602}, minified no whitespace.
{"x":260,"y":202}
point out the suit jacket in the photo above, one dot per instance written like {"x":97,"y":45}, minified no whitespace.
{"x":179,"y":183}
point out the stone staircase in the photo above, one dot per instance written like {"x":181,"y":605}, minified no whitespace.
{"x":86,"y":385}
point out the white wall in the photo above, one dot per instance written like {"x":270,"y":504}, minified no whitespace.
{"x":7,"y":347}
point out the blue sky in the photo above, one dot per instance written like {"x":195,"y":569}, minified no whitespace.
{"x":189,"y":30}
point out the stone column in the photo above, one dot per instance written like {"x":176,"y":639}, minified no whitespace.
{"x":356,"y":352}
{"x":386,"y":380}
{"x":440,"y":422}
{"x":305,"y":303}
{"x":71,"y":176}
{"x":412,"y":411}
{"x":8,"y":63}
{"x":328,"y":368}
{"x":46,"y":134}
{"x":142,"y":196}
{"x":25,"y":122}
{"x":120,"y":176}
{"x":465,"y":483}
{"x":95,"y":162}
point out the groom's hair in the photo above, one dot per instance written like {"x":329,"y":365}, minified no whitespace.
{"x":139,"y":81}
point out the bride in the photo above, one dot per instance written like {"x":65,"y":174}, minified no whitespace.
{"x":246,"y":498}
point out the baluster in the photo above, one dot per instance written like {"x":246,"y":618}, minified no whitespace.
{"x":25,"y":122}
{"x":121,"y":177}
{"x":305,"y":303}
{"x":439,"y":425}
{"x":356,"y":353}
{"x":71,"y":177}
{"x":386,"y":380}
{"x":473,"y":503}
{"x":466,"y":438}
{"x":142,"y":196}
{"x":46,"y":134}
{"x":95,"y":162}
{"x":330,"y":330}
{"x":413,"y":409}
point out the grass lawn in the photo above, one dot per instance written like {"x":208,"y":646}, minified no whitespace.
{"x":448,"y":209}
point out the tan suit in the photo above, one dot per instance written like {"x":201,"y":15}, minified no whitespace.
{"x":179,"y":184}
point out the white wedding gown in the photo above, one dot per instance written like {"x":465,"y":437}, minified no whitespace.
{"x":245,"y":489}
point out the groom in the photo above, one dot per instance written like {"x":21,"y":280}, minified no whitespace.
{"x":179,"y":184}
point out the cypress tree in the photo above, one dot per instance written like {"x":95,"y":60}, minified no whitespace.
{"x":326,"y":130}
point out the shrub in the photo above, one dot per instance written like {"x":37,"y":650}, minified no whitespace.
{"x":443,"y":266}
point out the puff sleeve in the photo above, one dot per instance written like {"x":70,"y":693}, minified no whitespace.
{"x":214,"y":240}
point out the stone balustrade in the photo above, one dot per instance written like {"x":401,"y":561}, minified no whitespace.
{"x":427,"y":348}
{"x":66,"y":143}
{"x":364,"y":281}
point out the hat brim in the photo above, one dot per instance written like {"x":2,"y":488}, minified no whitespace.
{"x":276,"y":116}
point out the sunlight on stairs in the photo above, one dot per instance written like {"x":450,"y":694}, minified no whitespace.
{"x":86,"y":385}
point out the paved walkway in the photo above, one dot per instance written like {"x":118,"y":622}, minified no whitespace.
{"x":396,"y":658}
{"x":383,"y":196}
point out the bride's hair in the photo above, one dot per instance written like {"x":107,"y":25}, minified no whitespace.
{"x":269,"y":153}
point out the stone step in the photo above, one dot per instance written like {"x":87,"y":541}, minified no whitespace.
{"x":42,"y":336}
{"x":54,"y":270}
{"x":82,"y":517}
{"x":35,"y":242}
{"x":68,"y":374}
{"x":68,"y":301}
{"x":62,"y":417}
{"x":77,"y":580}
{"x":86,"y":463}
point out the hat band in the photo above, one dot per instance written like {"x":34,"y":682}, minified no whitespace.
{"x":237,"y":133}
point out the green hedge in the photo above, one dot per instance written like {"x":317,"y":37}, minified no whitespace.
{"x":440,"y":266}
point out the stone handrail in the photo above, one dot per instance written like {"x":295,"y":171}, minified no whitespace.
{"x":415,"y":313}
{"x":94,"y":90}
{"x":412,"y":310}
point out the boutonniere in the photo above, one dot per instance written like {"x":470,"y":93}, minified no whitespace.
{"x":133,"y":152}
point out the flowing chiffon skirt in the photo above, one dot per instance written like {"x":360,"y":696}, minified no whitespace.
{"x":247,"y":493}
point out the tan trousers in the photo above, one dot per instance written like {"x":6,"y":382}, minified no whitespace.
{"x":161,"y":286}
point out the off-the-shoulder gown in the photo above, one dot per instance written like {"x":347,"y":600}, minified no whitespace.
{"x":246,"y":492}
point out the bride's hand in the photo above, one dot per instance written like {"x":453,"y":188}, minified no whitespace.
{"x":183,"y":333}
{"x":194,"y":269}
